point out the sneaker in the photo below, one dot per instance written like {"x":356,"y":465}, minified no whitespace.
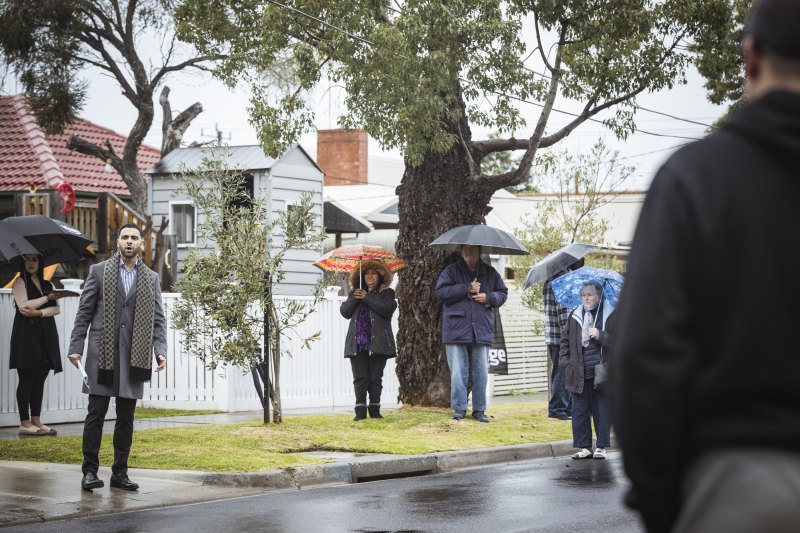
{"x":583,"y":454}
{"x":560,"y":417}
{"x":600,"y":453}
{"x":458,"y":415}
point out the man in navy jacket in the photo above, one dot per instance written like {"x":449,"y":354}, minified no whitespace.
{"x":469,"y":290}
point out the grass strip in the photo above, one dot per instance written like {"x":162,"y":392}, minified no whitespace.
{"x":253,"y":447}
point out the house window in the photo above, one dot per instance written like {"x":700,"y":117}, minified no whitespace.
{"x":182,"y":219}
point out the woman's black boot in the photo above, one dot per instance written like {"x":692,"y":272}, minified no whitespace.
{"x":361,"y":412}
{"x":375,"y":410}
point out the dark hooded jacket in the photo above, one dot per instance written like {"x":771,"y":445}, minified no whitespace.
{"x":382,"y":305}
{"x":706,"y":351}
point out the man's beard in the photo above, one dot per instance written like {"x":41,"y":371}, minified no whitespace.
{"x":127,"y":255}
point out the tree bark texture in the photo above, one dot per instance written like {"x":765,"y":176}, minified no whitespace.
{"x":434,"y":197}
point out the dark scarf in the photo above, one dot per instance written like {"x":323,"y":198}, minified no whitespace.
{"x":141,"y":363}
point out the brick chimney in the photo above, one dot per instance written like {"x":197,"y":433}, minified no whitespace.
{"x":342,"y":155}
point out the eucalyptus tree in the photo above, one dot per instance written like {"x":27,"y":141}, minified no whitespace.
{"x":420,"y":74}
{"x":48,"y":43}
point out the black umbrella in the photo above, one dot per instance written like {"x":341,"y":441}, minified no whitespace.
{"x":491,"y":240}
{"x":12,"y":247}
{"x":55,"y":241}
{"x":556,"y":262}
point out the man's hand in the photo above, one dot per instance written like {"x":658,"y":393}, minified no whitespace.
{"x":74,"y":358}
{"x":481,"y":298}
{"x":475,"y":286}
{"x":162,"y":363}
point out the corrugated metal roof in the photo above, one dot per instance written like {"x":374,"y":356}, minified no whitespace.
{"x":234,"y":157}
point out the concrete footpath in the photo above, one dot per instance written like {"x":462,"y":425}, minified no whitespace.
{"x":37,"y":492}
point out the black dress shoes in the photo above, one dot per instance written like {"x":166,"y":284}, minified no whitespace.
{"x":122,"y":481}
{"x":91,"y":481}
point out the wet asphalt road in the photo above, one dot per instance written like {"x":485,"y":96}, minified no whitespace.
{"x":553,"y":495}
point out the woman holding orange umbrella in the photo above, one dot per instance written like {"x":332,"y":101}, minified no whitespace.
{"x":370,"y":341}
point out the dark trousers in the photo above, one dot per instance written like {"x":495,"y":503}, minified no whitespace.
{"x":30,"y":389}
{"x":560,"y":400}
{"x":588,"y":406}
{"x":93,"y":433}
{"x":368,"y":377}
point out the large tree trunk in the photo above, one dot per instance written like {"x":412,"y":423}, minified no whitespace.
{"x":433,"y":197}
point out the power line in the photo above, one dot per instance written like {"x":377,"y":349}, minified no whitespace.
{"x":637,"y":106}
{"x":365,"y":41}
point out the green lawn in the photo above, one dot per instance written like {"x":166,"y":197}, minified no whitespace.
{"x":152,"y":412}
{"x":254,"y":447}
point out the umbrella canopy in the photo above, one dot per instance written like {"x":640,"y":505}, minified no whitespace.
{"x":12,"y":247}
{"x":491,"y":240}
{"x":54,"y":240}
{"x":347,"y":257}
{"x":556,"y":262}
{"x":567,"y":288}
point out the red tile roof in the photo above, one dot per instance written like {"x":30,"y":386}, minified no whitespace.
{"x":28,"y":155}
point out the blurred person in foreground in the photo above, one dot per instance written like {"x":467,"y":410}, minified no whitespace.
{"x":706,"y":358}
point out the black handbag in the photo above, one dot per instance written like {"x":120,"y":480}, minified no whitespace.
{"x":601,"y":374}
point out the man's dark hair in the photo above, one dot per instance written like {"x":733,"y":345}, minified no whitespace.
{"x":773,"y":25}
{"x":131,"y":225}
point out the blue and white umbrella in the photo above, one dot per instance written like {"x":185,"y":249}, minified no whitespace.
{"x":567,"y":288}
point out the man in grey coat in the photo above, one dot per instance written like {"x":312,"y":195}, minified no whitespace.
{"x":121,"y":307}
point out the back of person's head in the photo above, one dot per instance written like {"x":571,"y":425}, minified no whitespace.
{"x":774,"y":27}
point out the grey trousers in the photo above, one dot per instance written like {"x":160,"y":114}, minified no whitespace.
{"x":742,"y":490}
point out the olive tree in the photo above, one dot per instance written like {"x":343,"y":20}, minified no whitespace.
{"x":225,"y":289}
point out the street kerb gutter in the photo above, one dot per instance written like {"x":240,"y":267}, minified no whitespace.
{"x":396,"y":466}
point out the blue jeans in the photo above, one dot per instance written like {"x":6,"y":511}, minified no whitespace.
{"x":560,"y":401}
{"x":587,"y":406}
{"x":467,"y":360}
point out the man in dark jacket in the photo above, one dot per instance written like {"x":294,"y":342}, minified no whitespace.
{"x":706,"y":360}
{"x":469,"y":290}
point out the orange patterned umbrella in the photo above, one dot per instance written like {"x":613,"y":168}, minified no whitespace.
{"x":347,"y":257}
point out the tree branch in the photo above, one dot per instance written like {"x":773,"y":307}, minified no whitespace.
{"x":173,"y":130}
{"x":539,"y":41}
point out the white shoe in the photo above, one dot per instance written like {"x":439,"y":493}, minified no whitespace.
{"x":583,"y":454}
{"x":599,"y":453}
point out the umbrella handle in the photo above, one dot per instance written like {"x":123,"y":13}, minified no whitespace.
{"x":602,"y":293}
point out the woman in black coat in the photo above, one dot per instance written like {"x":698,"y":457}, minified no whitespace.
{"x":34,"y":343}
{"x":370,"y":341}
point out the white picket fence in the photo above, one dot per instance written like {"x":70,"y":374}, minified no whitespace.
{"x":310,"y":379}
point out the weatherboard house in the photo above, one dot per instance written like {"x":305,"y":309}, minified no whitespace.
{"x":278,"y":183}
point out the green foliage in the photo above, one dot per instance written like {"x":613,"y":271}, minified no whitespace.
{"x":407,"y":67}
{"x":224,"y":290}
{"x":580,"y":186}
{"x":719,"y":56}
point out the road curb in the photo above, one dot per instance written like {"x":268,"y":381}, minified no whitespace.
{"x":372,"y":469}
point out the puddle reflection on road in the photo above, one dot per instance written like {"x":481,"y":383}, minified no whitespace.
{"x":586,"y":473}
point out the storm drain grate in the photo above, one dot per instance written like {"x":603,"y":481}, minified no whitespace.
{"x":394,"y":475}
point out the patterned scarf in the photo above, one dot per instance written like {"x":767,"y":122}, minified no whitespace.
{"x":143,"y":314}
{"x":588,"y":323}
